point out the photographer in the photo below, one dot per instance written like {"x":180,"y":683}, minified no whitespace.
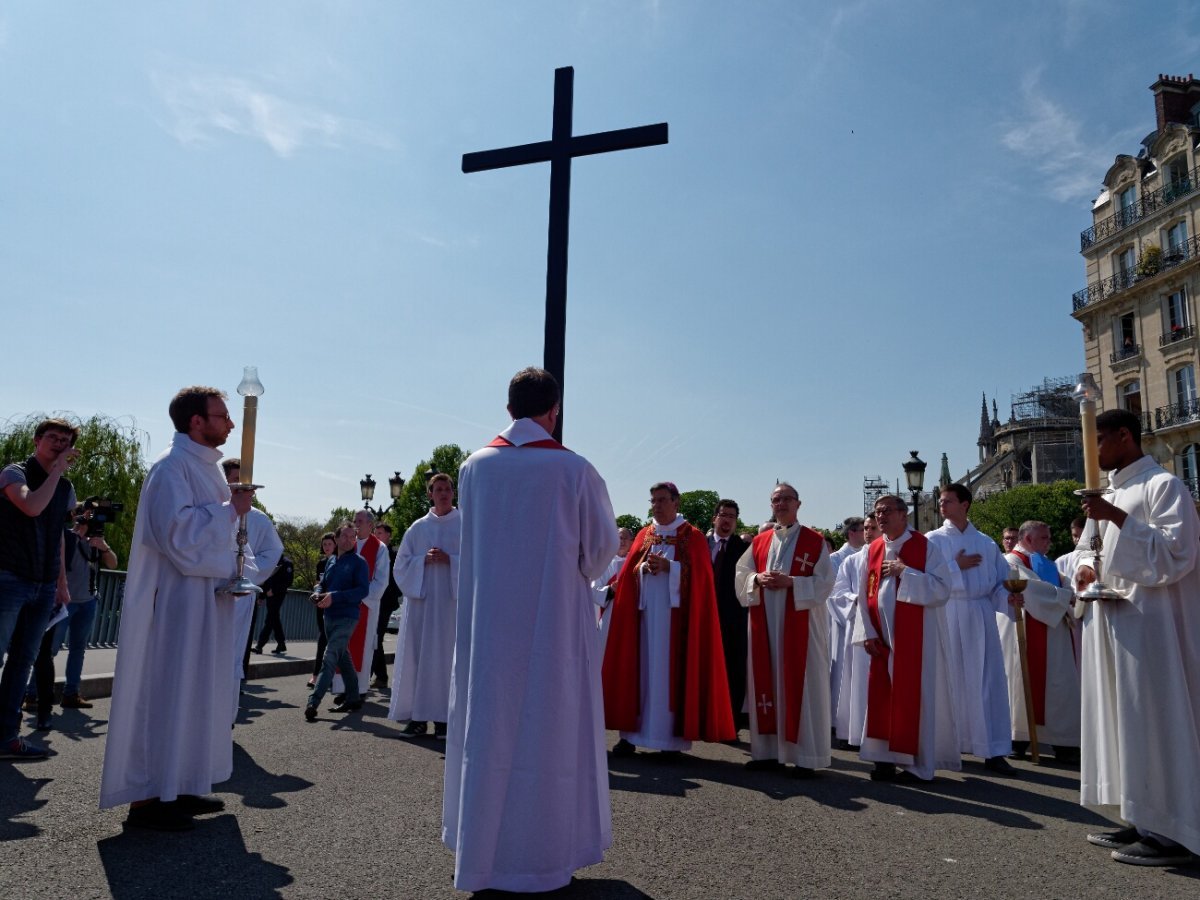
{"x":84,"y":552}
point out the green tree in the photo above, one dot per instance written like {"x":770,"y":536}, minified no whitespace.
{"x":111,"y":465}
{"x":413,"y":502}
{"x":337,"y":516}
{"x":1055,"y":504}
{"x":633,"y":523}
{"x":302,"y":545}
{"x":699,"y":507}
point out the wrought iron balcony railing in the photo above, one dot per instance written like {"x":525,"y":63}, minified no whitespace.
{"x":1106,"y":287}
{"x":1129,"y":351}
{"x":1193,"y":485}
{"x":1178,"y":413}
{"x":1146,"y":205}
{"x":1178,"y":333}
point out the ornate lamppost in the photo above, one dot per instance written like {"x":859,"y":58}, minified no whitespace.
{"x":914,"y":474}
{"x":367,"y":487}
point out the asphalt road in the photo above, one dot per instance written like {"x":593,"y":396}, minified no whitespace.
{"x":341,"y":808}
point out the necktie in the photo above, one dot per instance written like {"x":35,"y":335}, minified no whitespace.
{"x":720,"y":557}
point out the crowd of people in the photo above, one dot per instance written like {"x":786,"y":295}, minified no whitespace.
{"x":531,"y":625}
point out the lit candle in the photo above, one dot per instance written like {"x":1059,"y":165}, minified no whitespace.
{"x":1087,"y":393}
{"x":250,"y":388}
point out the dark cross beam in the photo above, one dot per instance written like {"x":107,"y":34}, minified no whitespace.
{"x":558,"y":151}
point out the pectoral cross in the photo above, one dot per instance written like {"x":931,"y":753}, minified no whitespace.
{"x":764,"y":704}
{"x":559,"y":151}
{"x":804,"y":563}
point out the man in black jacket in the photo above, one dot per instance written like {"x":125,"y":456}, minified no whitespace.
{"x":726,"y":548}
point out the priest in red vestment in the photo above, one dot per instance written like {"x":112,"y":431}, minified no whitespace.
{"x":664,"y":666}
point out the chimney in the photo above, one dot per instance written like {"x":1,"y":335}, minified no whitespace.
{"x":1174,"y":97}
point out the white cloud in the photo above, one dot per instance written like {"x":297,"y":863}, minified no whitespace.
{"x":1050,"y":137}
{"x":203,"y":105}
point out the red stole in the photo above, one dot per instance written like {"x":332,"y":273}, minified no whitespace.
{"x":699,"y":693}
{"x":894,"y":700}
{"x":795,"y":637}
{"x":1036,"y":635}
{"x":548,"y":443}
{"x":358,"y":639}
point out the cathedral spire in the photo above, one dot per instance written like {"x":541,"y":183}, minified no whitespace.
{"x":944,"y":480}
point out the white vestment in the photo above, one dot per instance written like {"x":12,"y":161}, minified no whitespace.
{"x":600,"y":588}
{"x":1050,"y":605}
{"x":658,"y":595}
{"x":1141,"y":659}
{"x":937,"y":743}
{"x":809,"y":592}
{"x":526,"y":788}
{"x":851,"y":702}
{"x":379,"y":583}
{"x":977,"y":678}
{"x":839,"y":628}
{"x":168,"y":731}
{"x":263,"y":541}
{"x":425,"y":644}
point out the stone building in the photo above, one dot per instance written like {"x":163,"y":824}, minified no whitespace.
{"x":1138,"y":309}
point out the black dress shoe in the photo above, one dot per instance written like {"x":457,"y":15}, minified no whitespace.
{"x":347,"y":706}
{"x":159,"y":816}
{"x":280,"y":649}
{"x":1068,"y":756}
{"x":192,"y":805}
{"x":998,"y":765}
{"x":413,"y":729}
{"x":623,"y":748}
{"x":884,"y":771}
{"x":906,"y":777}
{"x":762,"y":765}
{"x":339,"y":699}
{"x":1114,"y":840}
{"x":257,"y":649}
{"x":1020,"y":748}
{"x":439,"y":730}
{"x":310,"y":713}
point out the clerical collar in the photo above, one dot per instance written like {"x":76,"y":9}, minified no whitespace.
{"x":669,"y":528}
{"x":780,"y":529}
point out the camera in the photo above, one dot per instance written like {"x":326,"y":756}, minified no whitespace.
{"x":96,"y":512}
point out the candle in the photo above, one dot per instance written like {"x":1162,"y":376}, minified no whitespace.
{"x":250,"y":388}
{"x":1087,"y":393}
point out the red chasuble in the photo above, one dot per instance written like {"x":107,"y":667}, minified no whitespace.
{"x":699,"y":689}
{"x":1036,"y":635}
{"x":794,"y":647}
{"x":894,"y":699}
{"x":358,"y":639}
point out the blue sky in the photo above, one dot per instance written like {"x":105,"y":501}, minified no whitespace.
{"x":867,"y":214}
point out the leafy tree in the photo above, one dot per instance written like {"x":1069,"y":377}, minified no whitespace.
{"x":699,"y":507}
{"x":633,"y":523}
{"x":337,"y":516}
{"x":302,"y":545}
{"x":1055,"y":504}
{"x":413,"y":502}
{"x":110,"y":465}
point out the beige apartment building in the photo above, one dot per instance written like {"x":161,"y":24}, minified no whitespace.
{"x":1142,"y":255}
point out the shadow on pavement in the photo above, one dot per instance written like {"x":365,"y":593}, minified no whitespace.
{"x":579,"y":889}
{"x":74,"y":725}
{"x":210,"y":862}
{"x":258,"y":787}
{"x":19,"y":797}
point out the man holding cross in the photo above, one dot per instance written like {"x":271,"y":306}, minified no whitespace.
{"x":785,"y":579}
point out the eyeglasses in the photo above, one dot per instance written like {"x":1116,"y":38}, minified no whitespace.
{"x":226,"y":416}
{"x":884,"y":510}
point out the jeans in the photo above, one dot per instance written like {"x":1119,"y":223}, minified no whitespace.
{"x":75,"y":629}
{"x":24,"y":611}
{"x":337,"y":656}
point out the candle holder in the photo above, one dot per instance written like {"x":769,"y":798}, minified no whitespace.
{"x":1087,"y":393}
{"x":251,"y":389}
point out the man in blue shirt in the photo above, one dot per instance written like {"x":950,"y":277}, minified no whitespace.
{"x":343,"y":588}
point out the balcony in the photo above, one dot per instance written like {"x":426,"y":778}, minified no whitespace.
{"x":1147,"y":205}
{"x":1114,"y":284}
{"x":1193,"y":485}
{"x":1129,"y":351}
{"x":1180,"y":413}
{"x":1176,"y":334}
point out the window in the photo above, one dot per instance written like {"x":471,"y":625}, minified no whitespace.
{"x":1123,"y":261}
{"x":1183,"y":385}
{"x":1131,"y":396}
{"x":1176,"y":241}
{"x":1187,"y":464}
{"x":1127,"y":206}
{"x":1176,"y":313}
{"x":1124,"y":338}
{"x":1176,"y":173}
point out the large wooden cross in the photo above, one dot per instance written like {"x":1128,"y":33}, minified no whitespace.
{"x":559,"y":151}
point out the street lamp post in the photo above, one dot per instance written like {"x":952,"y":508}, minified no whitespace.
{"x":367,"y":487}
{"x":914,"y":474}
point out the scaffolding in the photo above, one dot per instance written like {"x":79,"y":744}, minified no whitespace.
{"x":1050,"y":400}
{"x":873,"y":489}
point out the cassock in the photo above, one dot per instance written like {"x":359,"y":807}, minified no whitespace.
{"x":526,"y":792}
{"x":1141,"y":659}
{"x":978,"y":683}
{"x":788,"y":637}
{"x":840,"y":628}
{"x":168,"y":731}
{"x":732,"y":617}
{"x":602,"y":596}
{"x":664,"y":666}
{"x":851,"y":704}
{"x":263,"y":541}
{"x":362,"y":641}
{"x":425,"y":644}
{"x":1050,"y":643}
{"x":909,"y":719}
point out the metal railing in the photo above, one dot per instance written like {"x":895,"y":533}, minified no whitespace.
{"x":1146,"y":205}
{"x":1179,"y":413}
{"x":1177,"y":333}
{"x":1124,"y":353}
{"x":1107,"y":287}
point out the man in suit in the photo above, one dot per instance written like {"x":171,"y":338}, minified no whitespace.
{"x":725,"y":549}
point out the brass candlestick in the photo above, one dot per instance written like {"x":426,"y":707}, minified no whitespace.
{"x":251,"y":389}
{"x":1087,"y":393}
